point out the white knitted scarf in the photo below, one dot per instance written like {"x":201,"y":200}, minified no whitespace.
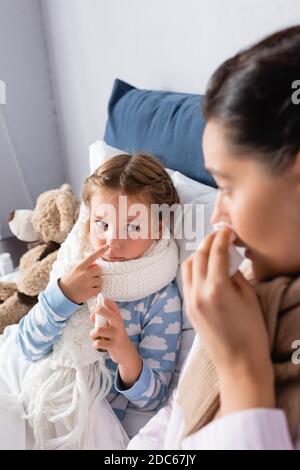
{"x":59,"y":392}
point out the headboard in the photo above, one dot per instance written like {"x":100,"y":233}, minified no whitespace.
{"x":166,"y":124}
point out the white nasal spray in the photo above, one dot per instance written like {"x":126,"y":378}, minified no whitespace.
{"x":235,"y":257}
{"x":99,"y":319}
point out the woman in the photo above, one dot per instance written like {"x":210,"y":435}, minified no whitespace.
{"x":252,"y":148}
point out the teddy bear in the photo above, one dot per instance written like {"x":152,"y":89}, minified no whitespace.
{"x":44,"y":229}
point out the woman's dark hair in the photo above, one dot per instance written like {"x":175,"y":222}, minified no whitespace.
{"x":251,"y":96}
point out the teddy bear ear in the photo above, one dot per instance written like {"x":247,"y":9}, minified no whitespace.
{"x":67,"y":205}
{"x":66,"y":187}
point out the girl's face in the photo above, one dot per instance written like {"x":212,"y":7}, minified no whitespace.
{"x":263,"y":208}
{"x":115,"y":224}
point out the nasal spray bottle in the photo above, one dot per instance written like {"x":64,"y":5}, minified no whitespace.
{"x":235,"y":257}
{"x":99,"y":319}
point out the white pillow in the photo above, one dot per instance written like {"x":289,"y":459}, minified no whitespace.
{"x":201,"y":200}
{"x":198,"y":198}
{"x":100,"y":152}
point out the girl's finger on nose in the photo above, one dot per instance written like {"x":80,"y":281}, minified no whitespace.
{"x":90,"y":259}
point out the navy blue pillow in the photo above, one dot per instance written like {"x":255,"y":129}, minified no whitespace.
{"x":166,"y":124}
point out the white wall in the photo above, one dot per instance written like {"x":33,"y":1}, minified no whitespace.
{"x":30,"y":155}
{"x":158,"y":44}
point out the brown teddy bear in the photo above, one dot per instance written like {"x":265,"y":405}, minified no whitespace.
{"x":46,"y":227}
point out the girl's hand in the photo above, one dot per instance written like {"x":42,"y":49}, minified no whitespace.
{"x":84,"y":280}
{"x":116,"y":341}
{"x":226,"y":314}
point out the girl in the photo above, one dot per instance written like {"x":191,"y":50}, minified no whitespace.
{"x":252,"y":147}
{"x":120,"y":252}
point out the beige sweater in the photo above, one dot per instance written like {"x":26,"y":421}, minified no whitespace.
{"x":198,"y":392}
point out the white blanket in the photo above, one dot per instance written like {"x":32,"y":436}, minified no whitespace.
{"x":14,"y":431}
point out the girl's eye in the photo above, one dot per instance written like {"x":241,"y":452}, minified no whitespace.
{"x":102,"y":224}
{"x":133,"y":228}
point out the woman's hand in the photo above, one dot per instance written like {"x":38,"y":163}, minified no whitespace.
{"x":115,"y":340}
{"x":84,"y":280}
{"x":226,"y":314}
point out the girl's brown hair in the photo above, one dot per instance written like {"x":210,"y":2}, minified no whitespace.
{"x":139,"y":175}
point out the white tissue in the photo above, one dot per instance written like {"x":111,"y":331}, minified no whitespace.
{"x":235,"y":257}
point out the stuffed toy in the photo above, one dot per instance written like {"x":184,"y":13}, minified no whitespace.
{"x":44,"y":229}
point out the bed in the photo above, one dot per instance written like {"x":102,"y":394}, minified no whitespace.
{"x":168,"y":125}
